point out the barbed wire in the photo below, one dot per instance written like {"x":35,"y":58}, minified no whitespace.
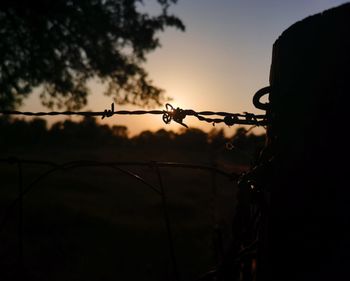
{"x":170,"y":113}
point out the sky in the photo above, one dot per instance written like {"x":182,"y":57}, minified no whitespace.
{"x":217,"y":64}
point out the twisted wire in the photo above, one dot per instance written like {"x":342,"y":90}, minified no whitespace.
{"x":169,"y":114}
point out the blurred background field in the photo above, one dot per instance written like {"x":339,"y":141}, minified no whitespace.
{"x":98,"y":223}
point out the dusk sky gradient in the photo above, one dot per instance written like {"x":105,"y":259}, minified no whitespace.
{"x":217,"y":64}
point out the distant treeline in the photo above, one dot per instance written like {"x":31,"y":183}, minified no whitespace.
{"x":20,"y":132}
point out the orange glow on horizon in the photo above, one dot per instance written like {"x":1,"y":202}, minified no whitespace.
{"x":218,"y":64}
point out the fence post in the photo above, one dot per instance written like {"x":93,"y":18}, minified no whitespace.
{"x":309,"y":217}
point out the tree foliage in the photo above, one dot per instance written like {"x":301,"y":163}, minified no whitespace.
{"x":60,"y":45}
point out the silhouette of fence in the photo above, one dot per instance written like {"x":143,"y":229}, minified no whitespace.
{"x":169,"y":114}
{"x":122,"y":167}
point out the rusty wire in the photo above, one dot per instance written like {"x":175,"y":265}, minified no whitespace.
{"x":170,"y":113}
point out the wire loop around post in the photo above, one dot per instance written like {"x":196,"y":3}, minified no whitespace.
{"x":257,"y":97}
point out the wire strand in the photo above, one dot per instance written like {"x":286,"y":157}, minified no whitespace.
{"x":169,"y":114}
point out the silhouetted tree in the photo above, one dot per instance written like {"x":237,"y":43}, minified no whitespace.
{"x":16,"y":132}
{"x":59,"y":45}
{"x":145,"y":137}
{"x":192,"y":138}
{"x":216,"y":138}
{"x":164,"y":138}
{"x":38,"y":130}
{"x":120,"y":131}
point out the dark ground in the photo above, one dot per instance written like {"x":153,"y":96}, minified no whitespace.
{"x":97,"y":223}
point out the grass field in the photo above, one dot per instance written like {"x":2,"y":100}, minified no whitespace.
{"x":96,"y":223}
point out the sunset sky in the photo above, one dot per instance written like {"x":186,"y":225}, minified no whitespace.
{"x":221,"y":60}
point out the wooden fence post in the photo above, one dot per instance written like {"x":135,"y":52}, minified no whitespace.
{"x":309,"y":216}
